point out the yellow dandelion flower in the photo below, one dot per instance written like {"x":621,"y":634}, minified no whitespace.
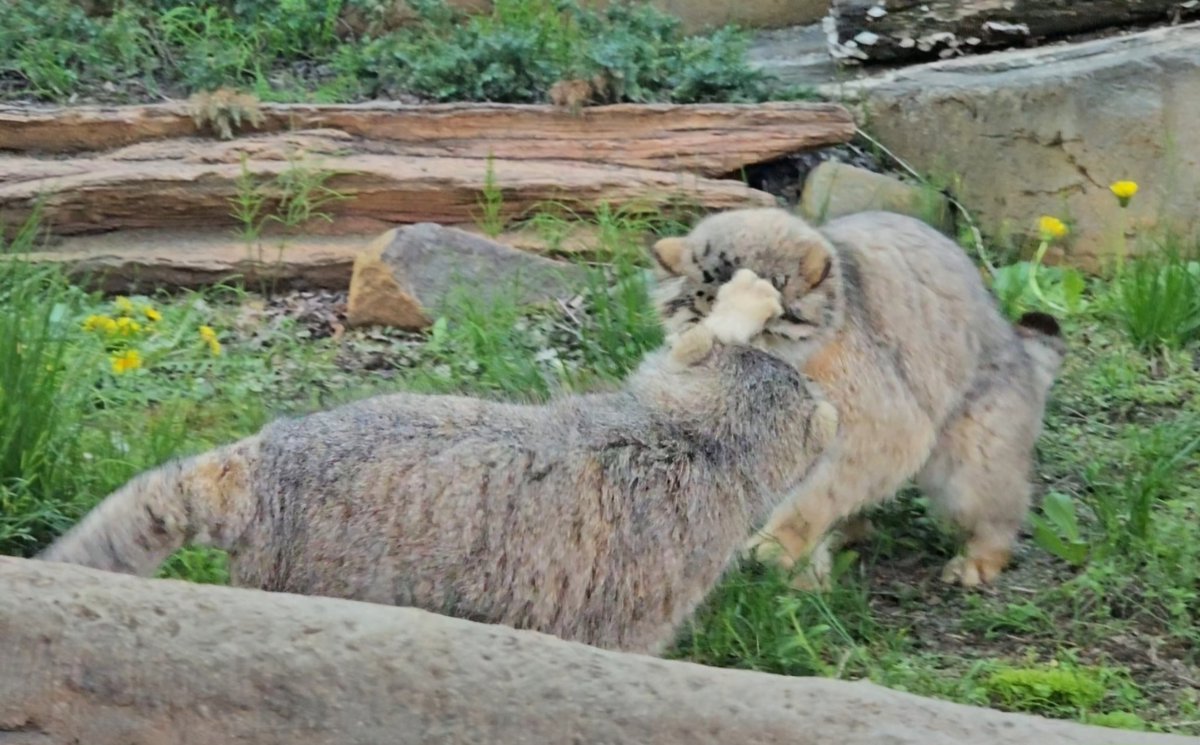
{"x":127,"y":326}
{"x":103,"y":324}
{"x":1124,"y":191}
{"x":1051,"y":228}
{"x":97,"y":323}
{"x":126,"y":361}
{"x":151,"y":314}
{"x":123,"y":305}
{"x":209,"y":335}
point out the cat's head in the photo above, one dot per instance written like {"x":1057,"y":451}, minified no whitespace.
{"x":774,"y":243}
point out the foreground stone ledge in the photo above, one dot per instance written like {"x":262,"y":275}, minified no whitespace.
{"x":99,"y":658}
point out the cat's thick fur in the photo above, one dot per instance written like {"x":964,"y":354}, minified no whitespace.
{"x":891,"y":319}
{"x":602,"y":518}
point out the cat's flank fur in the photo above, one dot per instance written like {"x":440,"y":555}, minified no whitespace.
{"x":892,"y":321}
{"x":602,"y":518}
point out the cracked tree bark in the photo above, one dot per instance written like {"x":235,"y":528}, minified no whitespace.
{"x":102,"y":658}
{"x":888,"y":31}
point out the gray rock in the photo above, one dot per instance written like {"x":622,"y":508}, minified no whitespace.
{"x":1047,"y":130}
{"x":834,"y":189}
{"x":404,"y":276}
{"x":798,"y":56}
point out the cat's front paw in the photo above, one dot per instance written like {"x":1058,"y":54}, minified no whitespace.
{"x":744,"y":306}
{"x":973,"y":571}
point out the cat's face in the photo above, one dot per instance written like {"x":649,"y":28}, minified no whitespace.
{"x":776,"y":245}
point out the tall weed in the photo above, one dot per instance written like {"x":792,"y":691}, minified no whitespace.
{"x":45,"y":380}
{"x":1157,"y":298}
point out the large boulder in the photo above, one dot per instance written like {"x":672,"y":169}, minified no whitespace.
{"x":1047,"y":130}
{"x":405,"y":275}
{"x":107,"y":659}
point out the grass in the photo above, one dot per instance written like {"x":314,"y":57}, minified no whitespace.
{"x":347,"y":50}
{"x":1158,"y":299}
{"x":1096,"y":621}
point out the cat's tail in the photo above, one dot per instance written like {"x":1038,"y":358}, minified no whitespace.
{"x":1043,"y":340}
{"x":203,"y":500}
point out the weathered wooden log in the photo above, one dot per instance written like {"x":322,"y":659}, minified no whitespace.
{"x":709,"y":139}
{"x":104,"y":659}
{"x":182,"y":185}
{"x":132,"y":261}
{"x":889,"y":31}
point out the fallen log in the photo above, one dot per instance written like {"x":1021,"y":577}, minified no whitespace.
{"x":132,"y":261}
{"x":709,"y":139}
{"x":889,"y":31}
{"x":103,"y":658}
{"x":167,"y":185}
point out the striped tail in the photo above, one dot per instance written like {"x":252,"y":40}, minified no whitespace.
{"x":203,"y":500}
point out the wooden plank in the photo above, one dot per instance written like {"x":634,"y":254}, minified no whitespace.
{"x":129,"y":261}
{"x":709,"y":139}
{"x":164,"y":185}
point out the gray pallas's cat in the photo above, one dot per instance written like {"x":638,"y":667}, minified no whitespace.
{"x":602,"y":518}
{"x":892,"y":321}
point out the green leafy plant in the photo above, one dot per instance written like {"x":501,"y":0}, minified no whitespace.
{"x":210,"y":48}
{"x":53,"y":48}
{"x":1058,"y":289}
{"x":1028,"y":284}
{"x":519,"y":50}
{"x":1056,"y":530}
{"x":310,"y":50}
{"x":1117,"y":720}
{"x":1043,"y":689}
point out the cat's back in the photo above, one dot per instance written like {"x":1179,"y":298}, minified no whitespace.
{"x":913,"y":293}
{"x":898,"y":259}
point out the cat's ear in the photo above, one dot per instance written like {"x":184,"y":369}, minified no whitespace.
{"x":816,"y":264}
{"x":670,"y":254}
